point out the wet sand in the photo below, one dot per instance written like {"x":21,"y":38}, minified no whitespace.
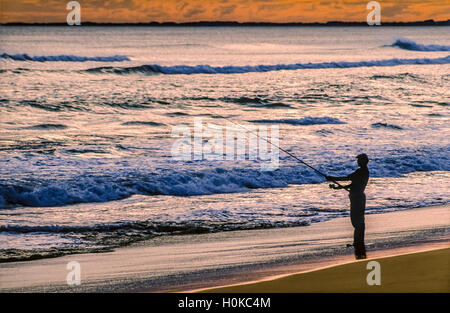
{"x":191,"y":262}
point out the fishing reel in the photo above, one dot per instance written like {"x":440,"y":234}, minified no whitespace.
{"x":333,"y":186}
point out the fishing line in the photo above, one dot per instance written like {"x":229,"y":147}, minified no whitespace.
{"x":274,"y":145}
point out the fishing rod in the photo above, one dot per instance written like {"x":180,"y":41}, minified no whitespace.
{"x":281,"y":149}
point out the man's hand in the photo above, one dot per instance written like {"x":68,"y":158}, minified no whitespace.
{"x":337,"y":187}
{"x":333,"y":186}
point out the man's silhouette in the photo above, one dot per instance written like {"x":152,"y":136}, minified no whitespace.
{"x":359,"y":179}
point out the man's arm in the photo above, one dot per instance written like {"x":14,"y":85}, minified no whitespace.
{"x":342,"y":178}
{"x":337,"y":178}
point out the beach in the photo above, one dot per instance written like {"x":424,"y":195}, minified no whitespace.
{"x":189,"y":263}
{"x":424,"y":271}
{"x":122,"y":140}
{"x":174,"y":159}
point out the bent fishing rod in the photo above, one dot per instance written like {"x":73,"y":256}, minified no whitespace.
{"x":281,"y":149}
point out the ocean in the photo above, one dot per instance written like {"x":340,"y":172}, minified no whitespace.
{"x":87,"y":120}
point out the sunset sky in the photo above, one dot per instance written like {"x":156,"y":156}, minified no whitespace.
{"x":132,"y":11}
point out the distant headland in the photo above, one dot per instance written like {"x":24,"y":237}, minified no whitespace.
{"x":225,"y":24}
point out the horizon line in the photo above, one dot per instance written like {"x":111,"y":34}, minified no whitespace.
{"x":429,"y":22}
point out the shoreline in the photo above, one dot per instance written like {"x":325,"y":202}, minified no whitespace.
{"x":192,"y":262}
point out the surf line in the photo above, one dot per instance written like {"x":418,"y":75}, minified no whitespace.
{"x":276,"y":146}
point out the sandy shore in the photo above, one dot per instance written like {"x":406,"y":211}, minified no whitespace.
{"x":190,"y":262}
{"x":425,"y":271}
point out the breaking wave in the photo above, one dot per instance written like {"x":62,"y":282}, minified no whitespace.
{"x":408,"y":44}
{"x":176,"y":181}
{"x":207,"y":69}
{"x":64,"y":58}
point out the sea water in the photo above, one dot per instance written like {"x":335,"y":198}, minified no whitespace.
{"x":87,"y":114}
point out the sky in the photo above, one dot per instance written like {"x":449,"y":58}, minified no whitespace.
{"x":278,"y":11}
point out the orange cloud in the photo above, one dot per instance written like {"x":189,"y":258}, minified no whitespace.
{"x":50,"y":11}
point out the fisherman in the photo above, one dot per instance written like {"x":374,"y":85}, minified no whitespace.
{"x":359,"y":179}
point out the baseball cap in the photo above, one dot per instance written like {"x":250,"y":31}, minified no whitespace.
{"x":363,"y":157}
